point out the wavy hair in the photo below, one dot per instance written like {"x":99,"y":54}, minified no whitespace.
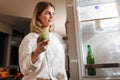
{"x":35,"y":25}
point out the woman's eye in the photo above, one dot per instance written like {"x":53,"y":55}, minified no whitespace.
{"x":49,"y":13}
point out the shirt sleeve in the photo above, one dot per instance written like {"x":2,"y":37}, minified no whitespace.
{"x":25,"y":50}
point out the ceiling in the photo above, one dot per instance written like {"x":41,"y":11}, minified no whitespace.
{"x":17,"y":13}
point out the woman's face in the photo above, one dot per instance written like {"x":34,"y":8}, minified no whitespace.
{"x":47,"y":16}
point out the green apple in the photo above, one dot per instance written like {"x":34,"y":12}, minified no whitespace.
{"x":43,"y":36}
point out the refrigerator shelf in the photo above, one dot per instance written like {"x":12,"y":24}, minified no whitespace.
{"x":105,"y":77}
{"x":99,"y":19}
{"x":106,"y":65}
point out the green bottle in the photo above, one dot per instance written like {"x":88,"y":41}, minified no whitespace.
{"x":90,"y":60}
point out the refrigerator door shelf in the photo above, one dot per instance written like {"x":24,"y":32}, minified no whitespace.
{"x":105,"y":65}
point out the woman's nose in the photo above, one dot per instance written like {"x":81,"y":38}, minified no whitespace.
{"x":51,"y":16}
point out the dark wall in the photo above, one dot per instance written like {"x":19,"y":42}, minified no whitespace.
{"x":3,"y":48}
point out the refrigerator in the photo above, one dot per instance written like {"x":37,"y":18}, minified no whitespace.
{"x":95,"y":23}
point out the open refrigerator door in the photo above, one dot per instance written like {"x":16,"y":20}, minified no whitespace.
{"x":94,"y":22}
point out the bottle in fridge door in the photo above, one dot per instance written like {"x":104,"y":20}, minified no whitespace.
{"x":90,"y":60}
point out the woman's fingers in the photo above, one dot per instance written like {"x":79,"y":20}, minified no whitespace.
{"x":42,"y":46}
{"x":44,"y":43}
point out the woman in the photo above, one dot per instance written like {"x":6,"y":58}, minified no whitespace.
{"x":42,"y":60}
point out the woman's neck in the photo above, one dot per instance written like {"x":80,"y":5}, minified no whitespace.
{"x":45,"y":29}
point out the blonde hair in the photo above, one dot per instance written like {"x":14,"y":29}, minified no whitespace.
{"x":35,"y":25}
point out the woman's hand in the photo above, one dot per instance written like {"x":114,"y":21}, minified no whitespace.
{"x":66,"y":25}
{"x":66,"y":29}
{"x":41,"y":47}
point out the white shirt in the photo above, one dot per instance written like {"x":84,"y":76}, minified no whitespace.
{"x":51,"y":63}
